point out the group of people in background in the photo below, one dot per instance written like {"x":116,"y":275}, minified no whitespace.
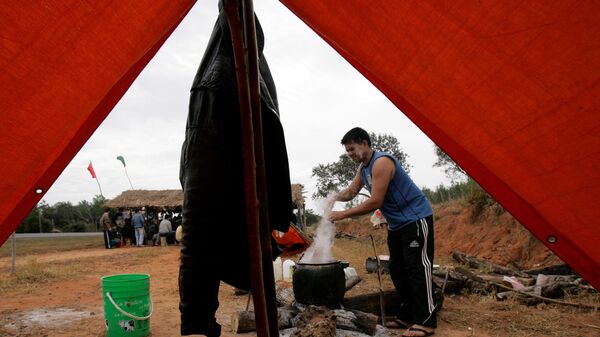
{"x":139,"y":228}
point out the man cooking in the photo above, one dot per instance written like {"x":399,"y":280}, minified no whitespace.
{"x":410,"y":228}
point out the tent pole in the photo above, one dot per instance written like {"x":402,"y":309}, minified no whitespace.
{"x":264,"y":221}
{"x":240,"y":16}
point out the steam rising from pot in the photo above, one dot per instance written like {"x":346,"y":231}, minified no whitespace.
{"x":320,"y":250}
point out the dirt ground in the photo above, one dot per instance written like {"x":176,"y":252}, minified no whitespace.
{"x":73,"y":306}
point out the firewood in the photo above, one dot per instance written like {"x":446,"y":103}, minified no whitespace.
{"x":550,"y":300}
{"x":244,"y":321}
{"x":366,"y":322}
{"x":356,"y":321}
{"x":475,"y":263}
{"x":453,"y":286}
{"x":559,"y":269}
{"x":452,"y":274}
{"x":500,"y":279}
{"x":370,"y":302}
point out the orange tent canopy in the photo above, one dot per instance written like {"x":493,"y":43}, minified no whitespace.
{"x":63,"y":66}
{"x":510,"y":90}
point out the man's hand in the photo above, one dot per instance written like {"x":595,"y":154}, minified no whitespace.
{"x":336,"y":215}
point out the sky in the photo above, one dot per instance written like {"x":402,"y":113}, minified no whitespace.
{"x":321,"y":97}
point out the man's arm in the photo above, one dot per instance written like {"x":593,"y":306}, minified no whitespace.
{"x":382,"y":173}
{"x":352,"y":190}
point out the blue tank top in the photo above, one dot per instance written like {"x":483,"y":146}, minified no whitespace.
{"x":404,"y":202}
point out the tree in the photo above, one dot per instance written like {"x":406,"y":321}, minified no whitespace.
{"x":64,"y":216}
{"x":311,"y":217}
{"x":89,"y":213}
{"x":454,"y":172}
{"x":37,"y":216}
{"x":337,"y":175}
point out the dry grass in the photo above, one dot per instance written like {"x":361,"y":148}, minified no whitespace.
{"x":33,"y":275}
{"x":48,"y":245}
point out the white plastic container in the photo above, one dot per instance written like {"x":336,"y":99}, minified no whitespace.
{"x":288,"y":270}
{"x":349,"y":272}
{"x":278,"y":269}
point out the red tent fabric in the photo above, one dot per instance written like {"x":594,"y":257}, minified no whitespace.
{"x":509,"y":89}
{"x":63,"y":67}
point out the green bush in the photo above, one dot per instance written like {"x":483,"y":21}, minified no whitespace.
{"x":479,"y":200}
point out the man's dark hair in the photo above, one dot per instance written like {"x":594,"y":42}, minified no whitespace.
{"x":356,"y":135}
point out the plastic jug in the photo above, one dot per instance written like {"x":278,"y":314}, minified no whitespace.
{"x":288,"y":270}
{"x":278,"y":269}
{"x":350,"y":272}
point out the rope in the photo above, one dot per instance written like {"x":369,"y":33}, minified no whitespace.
{"x":138,"y":318}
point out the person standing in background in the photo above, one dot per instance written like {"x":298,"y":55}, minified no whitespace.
{"x":164,"y":228}
{"x":106,"y":227}
{"x":138,"y":226}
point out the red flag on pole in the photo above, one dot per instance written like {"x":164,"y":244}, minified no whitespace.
{"x":91,"y":169}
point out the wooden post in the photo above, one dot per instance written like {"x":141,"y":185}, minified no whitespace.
{"x":240,"y":17}
{"x":264,"y":222}
{"x":381,"y":293}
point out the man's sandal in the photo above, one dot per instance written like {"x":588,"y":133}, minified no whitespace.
{"x":396,"y":324}
{"x":401,"y":324}
{"x":418,"y":330}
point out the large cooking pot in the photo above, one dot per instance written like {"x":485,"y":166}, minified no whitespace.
{"x":319,"y":283}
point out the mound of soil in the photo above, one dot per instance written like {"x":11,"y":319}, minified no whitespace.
{"x":494,"y":236}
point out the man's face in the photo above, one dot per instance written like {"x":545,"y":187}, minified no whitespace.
{"x":358,"y":152}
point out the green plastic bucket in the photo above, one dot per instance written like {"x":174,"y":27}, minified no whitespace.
{"x":127,"y":305}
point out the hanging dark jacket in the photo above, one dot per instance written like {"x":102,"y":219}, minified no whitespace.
{"x":215,"y":243}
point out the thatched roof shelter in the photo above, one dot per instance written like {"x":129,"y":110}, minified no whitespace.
{"x":173,"y":198}
{"x":151,"y":198}
{"x":297,"y":195}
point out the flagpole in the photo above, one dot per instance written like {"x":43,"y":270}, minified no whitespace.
{"x":100,"y":188}
{"x":93,"y":173}
{"x":130,"y":184}
{"x":122,"y":160}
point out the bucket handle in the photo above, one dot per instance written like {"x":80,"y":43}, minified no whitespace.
{"x":142,"y":318}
